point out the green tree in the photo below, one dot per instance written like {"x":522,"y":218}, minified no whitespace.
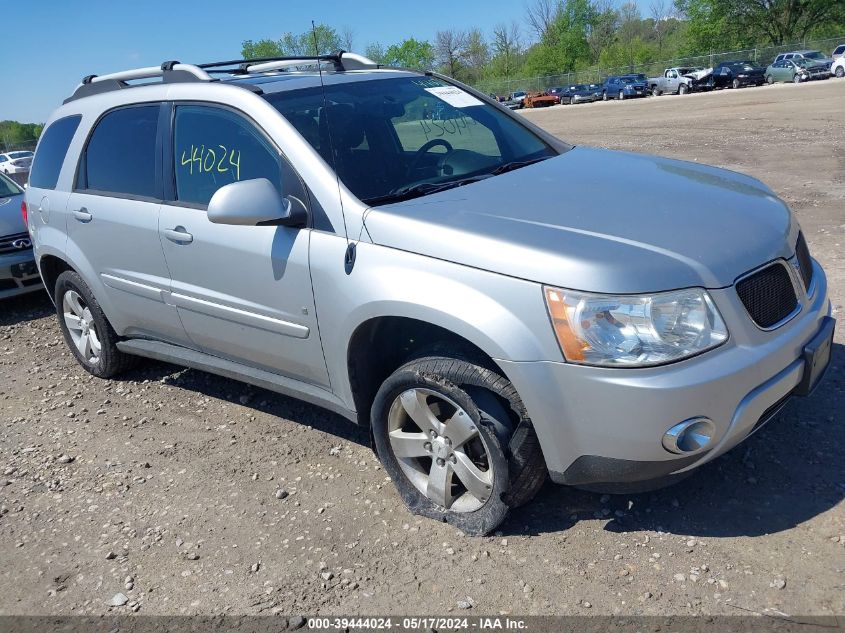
{"x":14,"y":134}
{"x":720,"y":23}
{"x":302,"y":44}
{"x":507,"y":51}
{"x":410,"y":53}
{"x":565,"y":44}
{"x":450,"y":50}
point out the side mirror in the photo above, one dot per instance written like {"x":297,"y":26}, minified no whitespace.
{"x":255,"y":202}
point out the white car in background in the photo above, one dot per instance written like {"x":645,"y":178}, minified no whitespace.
{"x":15,"y":162}
{"x":838,"y":67}
{"x":838,"y":52}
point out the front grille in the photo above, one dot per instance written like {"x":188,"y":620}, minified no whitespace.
{"x":7,"y":241}
{"x":768,"y":295}
{"x":804,"y":261}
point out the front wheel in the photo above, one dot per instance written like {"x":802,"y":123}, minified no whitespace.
{"x":736,"y":84}
{"x":621,"y":95}
{"x":840,"y":71}
{"x":455,"y":439}
{"x":604,"y":96}
{"x":655,"y":91}
{"x":683,"y":89}
{"x":770,"y":80}
{"x":796,"y":79}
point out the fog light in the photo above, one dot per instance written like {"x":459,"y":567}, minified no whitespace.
{"x":690,"y":436}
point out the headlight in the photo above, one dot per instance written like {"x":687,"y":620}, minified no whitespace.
{"x":634,"y":330}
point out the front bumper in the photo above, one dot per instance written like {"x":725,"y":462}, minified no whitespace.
{"x":18,"y":274}
{"x":605,"y":425}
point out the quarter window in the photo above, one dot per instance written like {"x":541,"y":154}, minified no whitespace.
{"x":214,"y":147}
{"x":121,"y":153}
{"x":51,"y":153}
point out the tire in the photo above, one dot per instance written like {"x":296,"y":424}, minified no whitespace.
{"x":604,"y":96}
{"x":840,"y":71}
{"x":683,"y":89}
{"x":655,"y":91}
{"x":796,"y":79}
{"x":621,"y":95}
{"x":503,"y":445}
{"x":770,"y":80}
{"x":77,"y":306}
{"x":735,"y":84}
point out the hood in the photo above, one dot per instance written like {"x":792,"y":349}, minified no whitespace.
{"x":11,"y":221}
{"x":599,"y":220}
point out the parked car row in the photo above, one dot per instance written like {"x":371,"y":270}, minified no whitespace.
{"x":795,"y":66}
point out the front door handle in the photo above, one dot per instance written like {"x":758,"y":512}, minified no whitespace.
{"x":82,"y":215}
{"x":179,"y":235}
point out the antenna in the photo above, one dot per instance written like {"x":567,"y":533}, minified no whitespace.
{"x":349,"y":257}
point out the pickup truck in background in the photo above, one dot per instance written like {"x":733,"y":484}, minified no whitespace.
{"x":681,"y":80}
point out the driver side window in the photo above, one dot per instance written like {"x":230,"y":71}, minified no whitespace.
{"x":213,"y":147}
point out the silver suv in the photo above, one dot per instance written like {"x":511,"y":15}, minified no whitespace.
{"x":495,"y":305}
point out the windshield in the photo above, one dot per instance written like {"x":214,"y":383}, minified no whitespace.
{"x":386,"y":136}
{"x":8,"y":188}
{"x":20,"y":154}
{"x":578,"y":87}
{"x":814,"y":55}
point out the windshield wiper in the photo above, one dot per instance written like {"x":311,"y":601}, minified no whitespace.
{"x":421,"y":189}
{"x":516,"y":164}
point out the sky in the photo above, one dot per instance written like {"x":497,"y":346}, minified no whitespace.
{"x":49,"y":45}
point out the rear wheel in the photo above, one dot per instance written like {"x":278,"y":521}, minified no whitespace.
{"x":86,"y":330}
{"x":455,"y":439}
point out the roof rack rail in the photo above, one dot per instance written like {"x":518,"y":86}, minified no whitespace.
{"x":170,"y":72}
{"x":176,"y":72}
{"x":342,"y":61}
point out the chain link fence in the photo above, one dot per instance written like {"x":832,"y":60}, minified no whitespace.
{"x":762,"y":56}
{"x":12,"y":146}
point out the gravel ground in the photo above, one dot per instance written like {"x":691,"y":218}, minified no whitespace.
{"x":176,"y":492}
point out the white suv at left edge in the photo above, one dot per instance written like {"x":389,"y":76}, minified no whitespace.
{"x":15,"y":162}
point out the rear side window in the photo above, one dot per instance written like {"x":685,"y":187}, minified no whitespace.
{"x":214,"y":147}
{"x":121,"y":154}
{"x":52,"y":151}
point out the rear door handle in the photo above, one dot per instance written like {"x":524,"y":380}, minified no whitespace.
{"x":82,"y":215}
{"x":179,"y":235}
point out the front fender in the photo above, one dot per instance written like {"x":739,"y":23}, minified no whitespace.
{"x":503,"y":316}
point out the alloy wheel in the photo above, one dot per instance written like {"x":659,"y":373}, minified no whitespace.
{"x":440,"y":450}
{"x":81,"y":326}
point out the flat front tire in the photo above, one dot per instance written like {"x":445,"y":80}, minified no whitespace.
{"x":87,"y":332}
{"x":455,"y":439}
